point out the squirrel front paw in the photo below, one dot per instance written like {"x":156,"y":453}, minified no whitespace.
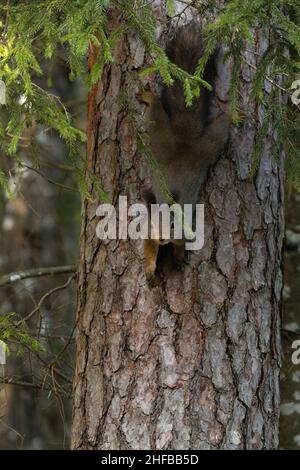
{"x":150,"y":251}
{"x":150,"y":272}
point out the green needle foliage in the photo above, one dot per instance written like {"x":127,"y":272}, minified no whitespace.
{"x":32,"y":32}
{"x":13,"y":328}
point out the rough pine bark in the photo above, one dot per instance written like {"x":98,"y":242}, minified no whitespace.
{"x":192,"y":363}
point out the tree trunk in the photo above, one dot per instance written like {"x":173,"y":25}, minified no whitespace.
{"x":192,"y":363}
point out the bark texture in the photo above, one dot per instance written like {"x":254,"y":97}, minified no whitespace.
{"x":192,"y":363}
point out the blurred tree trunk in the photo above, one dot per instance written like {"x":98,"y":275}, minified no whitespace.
{"x":194,"y":362}
{"x":34,"y":234}
{"x":28,"y":226}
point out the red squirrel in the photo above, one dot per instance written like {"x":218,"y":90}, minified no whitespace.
{"x":185,"y":141}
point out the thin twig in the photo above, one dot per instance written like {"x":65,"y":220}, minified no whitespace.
{"x":61,"y":352}
{"x":44,"y":297}
{"x":270,"y":80}
{"x":290,"y":332}
{"x":55,"y":183}
{"x":6,"y":19}
{"x":36,"y":272}
{"x":66,"y":379}
{"x":60,"y":166}
{"x":20,"y":383}
{"x":55,"y":97}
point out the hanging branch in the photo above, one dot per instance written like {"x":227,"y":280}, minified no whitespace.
{"x":44,"y":297}
{"x":37,"y":272}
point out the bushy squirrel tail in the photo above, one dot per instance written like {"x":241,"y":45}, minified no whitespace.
{"x":185,"y":50}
